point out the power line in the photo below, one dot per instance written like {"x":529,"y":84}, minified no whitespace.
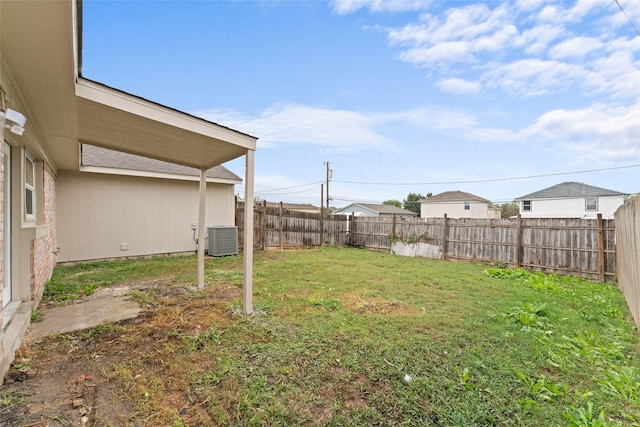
{"x":295,"y":186}
{"x":628,"y":19}
{"x":487,"y":180}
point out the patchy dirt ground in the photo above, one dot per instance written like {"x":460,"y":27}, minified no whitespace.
{"x":67,"y":379}
{"x":53,"y":385}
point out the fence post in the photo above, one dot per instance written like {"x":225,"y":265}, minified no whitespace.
{"x":322,"y":214}
{"x":263,"y":225}
{"x":350,"y":228}
{"x":281,"y":229}
{"x":519,"y":241}
{"x":393,"y":227}
{"x":601,"y":262}
{"x":444,"y":238}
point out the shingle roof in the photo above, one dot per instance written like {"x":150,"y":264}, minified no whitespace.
{"x":453,"y":196}
{"x":570,"y":189}
{"x":383,"y":209}
{"x":103,"y":157}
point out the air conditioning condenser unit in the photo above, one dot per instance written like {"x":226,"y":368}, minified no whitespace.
{"x":223,"y":240}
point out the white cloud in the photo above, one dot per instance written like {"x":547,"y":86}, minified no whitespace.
{"x":575,"y":48}
{"x":341,"y":130}
{"x":442,"y":53}
{"x":558,"y":50}
{"x":533,"y":77}
{"x":350,"y":6}
{"x":298,"y":124}
{"x":616,"y":74}
{"x":599,"y":132}
{"x":556,"y":14}
{"x":536,"y":40}
{"x":466,"y":23}
{"x":459,"y":86}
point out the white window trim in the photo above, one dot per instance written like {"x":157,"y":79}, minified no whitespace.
{"x":524,"y":209}
{"x":586,"y":203}
{"x":29,"y":217}
{"x":467,"y":205}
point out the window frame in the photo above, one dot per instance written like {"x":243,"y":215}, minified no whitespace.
{"x":467,"y":205}
{"x":527,"y":206}
{"x":29,"y":205}
{"x":586,"y":203}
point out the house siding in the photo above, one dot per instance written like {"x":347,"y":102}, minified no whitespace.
{"x":99,"y":213}
{"x":571,"y":207}
{"x":454,"y":209}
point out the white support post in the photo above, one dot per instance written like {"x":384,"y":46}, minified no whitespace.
{"x":247,"y":289}
{"x":201,"y":225}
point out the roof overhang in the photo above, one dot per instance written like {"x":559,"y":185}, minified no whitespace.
{"x":39,"y":57}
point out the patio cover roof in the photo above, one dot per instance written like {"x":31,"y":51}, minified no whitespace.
{"x":39,"y":44}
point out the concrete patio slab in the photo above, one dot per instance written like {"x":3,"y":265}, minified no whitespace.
{"x":105,"y":305}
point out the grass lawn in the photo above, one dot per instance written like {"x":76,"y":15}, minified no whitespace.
{"x":346,"y":336}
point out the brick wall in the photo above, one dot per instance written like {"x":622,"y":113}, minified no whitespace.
{"x":43,"y":249}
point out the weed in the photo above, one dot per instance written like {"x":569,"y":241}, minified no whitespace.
{"x":10,"y":399}
{"x":36,"y":316}
{"x":330,"y":304}
{"x":147,"y":297}
{"x":581,"y":417}
{"x":103,"y":329}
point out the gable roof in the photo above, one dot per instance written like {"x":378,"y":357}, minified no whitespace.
{"x":380,"y":209}
{"x":453,"y":196}
{"x":103,"y":157}
{"x":569,"y":190}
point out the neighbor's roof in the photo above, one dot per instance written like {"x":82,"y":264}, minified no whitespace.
{"x":570,"y":189}
{"x":103,"y":157}
{"x":292,"y":206}
{"x":381,"y":209}
{"x":453,"y":196}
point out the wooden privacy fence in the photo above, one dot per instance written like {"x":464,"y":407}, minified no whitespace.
{"x":278,"y":228}
{"x":580,"y":247}
{"x":628,"y":222}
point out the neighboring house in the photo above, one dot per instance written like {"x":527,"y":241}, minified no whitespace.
{"x":121,"y":204}
{"x":369,"y":209}
{"x":48,"y":110}
{"x":297,"y":207}
{"x":570,"y":200}
{"x":458,"y":204}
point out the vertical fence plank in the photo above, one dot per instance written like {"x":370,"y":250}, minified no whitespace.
{"x":518,"y":248}
{"x":444,"y":238}
{"x":281,"y":228}
{"x":600,"y":249}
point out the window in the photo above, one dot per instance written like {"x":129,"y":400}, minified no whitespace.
{"x":526,"y":205}
{"x":592,"y":203}
{"x":29,"y":191}
{"x":467,"y":205}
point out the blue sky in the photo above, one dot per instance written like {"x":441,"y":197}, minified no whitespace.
{"x":398,"y":96}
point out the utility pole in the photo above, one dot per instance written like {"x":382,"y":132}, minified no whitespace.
{"x":329,"y":175}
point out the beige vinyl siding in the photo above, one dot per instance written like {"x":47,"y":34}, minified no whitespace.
{"x":98,"y":213}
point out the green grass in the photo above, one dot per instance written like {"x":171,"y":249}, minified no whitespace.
{"x":345,"y":336}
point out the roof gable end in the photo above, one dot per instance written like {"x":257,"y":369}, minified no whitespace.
{"x":570,"y":190}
